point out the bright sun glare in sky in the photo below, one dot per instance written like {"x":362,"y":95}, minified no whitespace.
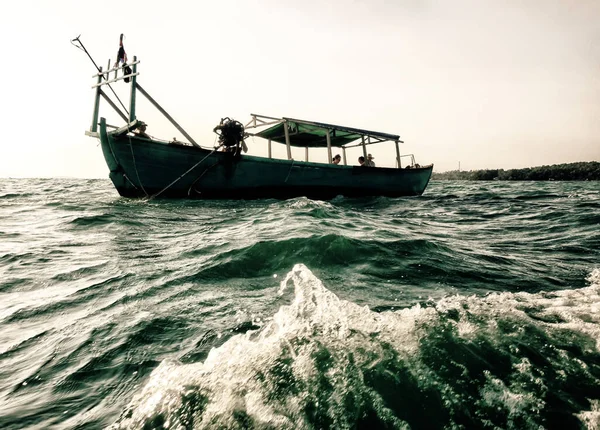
{"x":487,"y":84}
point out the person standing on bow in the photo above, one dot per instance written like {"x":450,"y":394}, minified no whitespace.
{"x":121,"y":55}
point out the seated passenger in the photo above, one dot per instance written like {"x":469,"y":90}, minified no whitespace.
{"x":370,"y":162}
{"x":361,"y":161}
{"x":337,"y":159}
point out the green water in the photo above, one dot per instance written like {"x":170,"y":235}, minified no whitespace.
{"x":476,"y":305}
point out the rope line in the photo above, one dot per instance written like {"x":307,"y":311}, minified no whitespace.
{"x":185,"y":173}
{"x":193,"y":186}
{"x":289,"y":172}
{"x":130,"y":181}
{"x":98,"y":68}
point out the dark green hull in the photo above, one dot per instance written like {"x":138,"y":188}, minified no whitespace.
{"x":141,"y":167}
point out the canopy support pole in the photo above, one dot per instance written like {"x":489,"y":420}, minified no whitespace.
{"x":344,"y":152}
{"x":133,"y":88}
{"x":329,"y":146}
{"x":364,"y":147}
{"x":164,"y":112}
{"x":94,"y":127}
{"x":270,"y":148}
{"x":399,"y":164}
{"x":306,"y":153}
{"x":287,"y":140}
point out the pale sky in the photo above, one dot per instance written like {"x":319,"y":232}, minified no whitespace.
{"x":492,"y":84}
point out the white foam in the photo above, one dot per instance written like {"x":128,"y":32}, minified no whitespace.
{"x":591,"y":418}
{"x":271,"y":376}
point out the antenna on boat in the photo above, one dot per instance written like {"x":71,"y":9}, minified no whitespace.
{"x":77,"y":39}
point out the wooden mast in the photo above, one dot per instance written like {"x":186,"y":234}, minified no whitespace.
{"x":133,"y":88}
{"x":94,"y":127}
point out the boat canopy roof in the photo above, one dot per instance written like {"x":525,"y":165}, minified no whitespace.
{"x":312,"y":134}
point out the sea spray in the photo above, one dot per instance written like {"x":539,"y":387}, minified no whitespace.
{"x":322,"y":362}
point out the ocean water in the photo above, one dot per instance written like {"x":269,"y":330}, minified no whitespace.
{"x":476,"y":305}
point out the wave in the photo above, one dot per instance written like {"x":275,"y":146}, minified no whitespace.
{"x":417,"y":261}
{"x":507,"y":360}
{"x":91,"y":220}
{"x":10,"y":196}
{"x":384,"y":258}
{"x":81,"y":296}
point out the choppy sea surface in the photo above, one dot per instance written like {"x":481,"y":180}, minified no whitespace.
{"x":476,"y":305}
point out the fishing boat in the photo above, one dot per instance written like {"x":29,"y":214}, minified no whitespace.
{"x":146,"y":167}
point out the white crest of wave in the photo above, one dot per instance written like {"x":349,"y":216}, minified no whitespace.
{"x":234,"y":379}
{"x":303,"y":202}
{"x":577,"y":309}
{"x":271,"y":377}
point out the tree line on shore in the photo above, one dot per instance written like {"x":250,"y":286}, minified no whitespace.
{"x":582,"y":171}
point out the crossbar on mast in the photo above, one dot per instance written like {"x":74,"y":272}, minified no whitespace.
{"x":115,"y":68}
{"x":120,"y":78}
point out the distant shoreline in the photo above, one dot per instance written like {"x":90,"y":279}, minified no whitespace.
{"x":581,"y":171}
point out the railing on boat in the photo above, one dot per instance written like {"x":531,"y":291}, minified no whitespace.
{"x":366,"y":137}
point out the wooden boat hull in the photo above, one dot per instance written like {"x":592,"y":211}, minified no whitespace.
{"x":142,"y":167}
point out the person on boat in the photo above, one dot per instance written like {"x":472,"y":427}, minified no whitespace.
{"x":361,"y":161}
{"x":370,"y":162}
{"x":121,"y":55}
{"x":141,"y":132}
{"x":337,"y":159}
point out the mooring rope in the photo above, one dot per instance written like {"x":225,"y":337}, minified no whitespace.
{"x":289,"y":172}
{"x":186,"y":172}
{"x":198,"y":178}
{"x":130,"y":181}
